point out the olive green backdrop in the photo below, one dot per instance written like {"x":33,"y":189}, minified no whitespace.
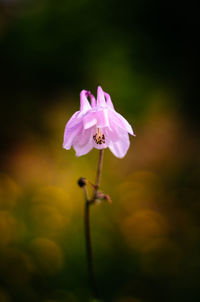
{"x":146,"y":244}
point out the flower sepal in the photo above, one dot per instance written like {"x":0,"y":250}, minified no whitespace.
{"x":102,"y":196}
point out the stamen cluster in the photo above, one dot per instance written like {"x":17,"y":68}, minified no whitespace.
{"x":99,"y":137}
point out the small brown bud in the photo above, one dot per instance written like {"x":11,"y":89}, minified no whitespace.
{"x":82,"y":182}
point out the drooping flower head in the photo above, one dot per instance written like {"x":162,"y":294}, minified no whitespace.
{"x":97,"y":125}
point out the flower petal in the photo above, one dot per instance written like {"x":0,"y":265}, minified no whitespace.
{"x":111,"y":134}
{"x":100,"y":97}
{"x":93,"y":100}
{"x":74,"y":120}
{"x":99,"y":146}
{"x":108,"y":100}
{"x":120,"y":147}
{"x":120,"y":121}
{"x":102,"y":118}
{"x":70,"y":134}
{"x":89,"y":120}
{"x":85,"y":105}
{"x":83,"y":143}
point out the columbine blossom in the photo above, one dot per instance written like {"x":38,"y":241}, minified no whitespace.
{"x":97,"y":125}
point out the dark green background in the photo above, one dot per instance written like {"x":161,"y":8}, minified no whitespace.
{"x":144,"y":53}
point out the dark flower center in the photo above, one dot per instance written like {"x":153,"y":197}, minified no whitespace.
{"x":99,"y":137}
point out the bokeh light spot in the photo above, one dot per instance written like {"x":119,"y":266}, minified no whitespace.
{"x":47,"y":255}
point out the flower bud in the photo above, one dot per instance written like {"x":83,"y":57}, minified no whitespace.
{"x":82,"y":182}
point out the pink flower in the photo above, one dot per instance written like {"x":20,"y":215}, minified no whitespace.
{"x":97,"y":125}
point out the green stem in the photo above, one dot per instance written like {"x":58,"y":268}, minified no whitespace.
{"x":99,"y":168}
{"x":88,"y":203}
{"x":89,"y":250}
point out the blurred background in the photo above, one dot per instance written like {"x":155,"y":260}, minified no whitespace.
{"x":147,"y":243}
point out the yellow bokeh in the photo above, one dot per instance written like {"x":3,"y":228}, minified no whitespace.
{"x":144,"y":230}
{"x":8,"y":228}
{"x":46,"y":255}
{"x":9,"y":192}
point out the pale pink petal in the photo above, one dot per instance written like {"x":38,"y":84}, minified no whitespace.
{"x":100,"y":97}
{"x":99,"y":146}
{"x":102,"y":118}
{"x":108,"y":100}
{"x":112,"y":134}
{"x":72,"y":118}
{"x":120,"y":147}
{"x":83,"y":143}
{"x":83,"y":149}
{"x":85,"y":105}
{"x":75,"y":119}
{"x":70,"y":134}
{"x":93,"y":100}
{"x":89,"y":120}
{"x":120,"y":121}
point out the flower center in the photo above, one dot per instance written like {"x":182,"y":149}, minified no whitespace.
{"x":99,"y":137}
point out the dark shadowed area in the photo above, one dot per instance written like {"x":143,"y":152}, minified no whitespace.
{"x":146,"y":244}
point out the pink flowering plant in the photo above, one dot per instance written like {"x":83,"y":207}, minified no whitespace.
{"x":96,"y":125}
